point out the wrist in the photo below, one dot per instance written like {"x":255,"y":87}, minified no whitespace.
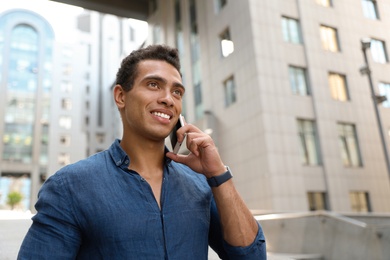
{"x":218,"y":180}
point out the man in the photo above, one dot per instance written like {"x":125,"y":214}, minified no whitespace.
{"x":137,"y":200}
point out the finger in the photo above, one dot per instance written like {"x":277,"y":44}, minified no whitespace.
{"x":197,"y":144}
{"x":172,"y":156}
{"x":191,"y":144}
{"x":180,"y":158}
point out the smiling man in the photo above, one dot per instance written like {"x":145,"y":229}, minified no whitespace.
{"x":136,"y":200}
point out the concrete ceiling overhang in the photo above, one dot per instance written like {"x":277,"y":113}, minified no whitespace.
{"x":137,"y":9}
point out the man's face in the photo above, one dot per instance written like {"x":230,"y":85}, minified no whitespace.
{"x":153,"y":105}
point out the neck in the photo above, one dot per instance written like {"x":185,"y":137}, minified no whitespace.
{"x":146,"y":157}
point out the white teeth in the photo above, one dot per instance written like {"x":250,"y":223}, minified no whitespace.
{"x":161,"y":115}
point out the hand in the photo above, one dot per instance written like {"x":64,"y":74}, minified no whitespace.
{"x":204,"y":157}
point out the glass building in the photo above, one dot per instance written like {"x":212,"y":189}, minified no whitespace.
{"x":26,"y":53}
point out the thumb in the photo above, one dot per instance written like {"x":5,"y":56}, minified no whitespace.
{"x":174,"y":157}
{"x":181,"y":158}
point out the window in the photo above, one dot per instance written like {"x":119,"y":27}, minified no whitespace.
{"x":329,"y":39}
{"x":378,"y":51}
{"x":65,"y":140}
{"x":370,"y":9}
{"x":156,"y":34}
{"x":308,"y":142}
{"x":298,"y":81}
{"x":100,"y":138}
{"x":195,"y":60}
{"x":66,"y":104}
{"x":317,"y":200}
{"x":291,"y":30}
{"x":84,"y":22}
{"x":360,"y":201}
{"x":66,"y":87}
{"x":20,"y":95}
{"x":65,"y":122}
{"x":67,"y":69}
{"x":384,"y":90}
{"x":131,"y":34}
{"x":326,"y":3}
{"x":348,"y":142}
{"x":227,"y":45}
{"x":219,"y":4}
{"x":338,"y":86}
{"x":230,"y":91}
{"x":63,"y":159}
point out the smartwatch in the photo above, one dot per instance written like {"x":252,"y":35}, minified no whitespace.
{"x":220,"y":179}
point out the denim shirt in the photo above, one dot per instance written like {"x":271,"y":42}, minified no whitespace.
{"x":99,"y":209}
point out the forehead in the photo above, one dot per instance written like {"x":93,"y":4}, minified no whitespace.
{"x":157,"y":67}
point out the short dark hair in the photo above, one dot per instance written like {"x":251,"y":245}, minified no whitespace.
{"x":128,"y":69}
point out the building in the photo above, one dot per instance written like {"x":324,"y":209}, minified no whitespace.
{"x":55,"y":94}
{"x":278,"y":83}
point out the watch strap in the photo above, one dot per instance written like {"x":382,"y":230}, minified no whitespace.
{"x":220,"y":179}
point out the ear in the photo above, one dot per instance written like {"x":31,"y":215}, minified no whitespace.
{"x":119,"y":96}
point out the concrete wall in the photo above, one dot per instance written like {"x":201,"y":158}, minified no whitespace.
{"x":330,"y":235}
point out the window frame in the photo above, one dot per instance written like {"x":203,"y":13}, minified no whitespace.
{"x":370,"y":9}
{"x":295,"y":85}
{"x":345,"y":137}
{"x":313,"y":197}
{"x":230,"y":93}
{"x":226,"y":43}
{"x":379,"y":54}
{"x":219,"y":5}
{"x":384,"y":90}
{"x":287,"y":30}
{"x":309,"y":155}
{"x":330,"y":38}
{"x":355,"y":198}
{"x":325,"y":3}
{"x":337,"y":88}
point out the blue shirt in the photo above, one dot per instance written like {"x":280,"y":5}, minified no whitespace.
{"x":99,"y":209}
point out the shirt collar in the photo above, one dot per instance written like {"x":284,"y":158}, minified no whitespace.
{"x":119,"y":156}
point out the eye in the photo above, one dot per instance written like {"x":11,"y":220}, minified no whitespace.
{"x":178,"y":92}
{"x":153,"y":84}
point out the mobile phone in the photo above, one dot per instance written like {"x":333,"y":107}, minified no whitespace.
{"x":175,"y":144}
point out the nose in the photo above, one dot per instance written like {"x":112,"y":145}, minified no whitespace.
{"x":166,"y":99}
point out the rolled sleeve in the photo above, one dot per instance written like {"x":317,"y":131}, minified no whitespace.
{"x":257,"y":250}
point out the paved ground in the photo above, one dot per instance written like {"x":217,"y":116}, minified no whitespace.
{"x":13,"y":227}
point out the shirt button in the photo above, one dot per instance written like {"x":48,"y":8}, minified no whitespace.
{"x":127,"y":161}
{"x":142,"y":179}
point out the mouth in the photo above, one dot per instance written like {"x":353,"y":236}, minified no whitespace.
{"x":162,"y":115}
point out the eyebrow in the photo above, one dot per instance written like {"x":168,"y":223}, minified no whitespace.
{"x":161,"y":79}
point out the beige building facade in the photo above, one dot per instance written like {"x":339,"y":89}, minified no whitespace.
{"x":278,"y":85}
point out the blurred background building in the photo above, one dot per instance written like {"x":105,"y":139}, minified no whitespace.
{"x":56,"y":105}
{"x":279,"y":85}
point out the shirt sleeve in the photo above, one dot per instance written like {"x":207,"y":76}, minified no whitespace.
{"x":257,"y":250}
{"x":53,"y":233}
